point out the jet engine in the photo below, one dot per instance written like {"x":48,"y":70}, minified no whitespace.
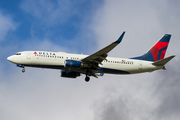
{"x":75,"y":64}
{"x":69,"y":74}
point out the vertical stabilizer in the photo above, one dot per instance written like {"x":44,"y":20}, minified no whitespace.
{"x":158,"y":51}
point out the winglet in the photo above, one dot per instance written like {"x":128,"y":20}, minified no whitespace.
{"x":120,"y":38}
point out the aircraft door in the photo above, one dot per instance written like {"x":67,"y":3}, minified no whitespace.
{"x":29,"y":56}
{"x":140,"y":65}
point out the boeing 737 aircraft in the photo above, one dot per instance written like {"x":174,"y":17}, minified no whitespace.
{"x":96,"y":64}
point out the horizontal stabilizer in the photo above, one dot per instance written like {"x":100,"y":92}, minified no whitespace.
{"x":163,"y":61}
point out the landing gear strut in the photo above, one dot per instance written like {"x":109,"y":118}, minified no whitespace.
{"x":87,"y":78}
{"x":21,"y":66}
{"x":23,"y":70}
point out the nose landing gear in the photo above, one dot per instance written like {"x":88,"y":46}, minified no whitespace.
{"x":23,"y":70}
{"x":21,"y":66}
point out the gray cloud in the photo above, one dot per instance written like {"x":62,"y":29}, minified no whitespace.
{"x":168,"y":92}
{"x":114,"y":110}
{"x":44,"y":95}
{"x":6,"y":25}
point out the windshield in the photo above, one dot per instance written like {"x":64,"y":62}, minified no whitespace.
{"x":18,"y":54}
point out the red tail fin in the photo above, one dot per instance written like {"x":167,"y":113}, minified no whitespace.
{"x":158,"y":51}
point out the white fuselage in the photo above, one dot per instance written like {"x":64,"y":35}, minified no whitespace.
{"x":56,"y":60}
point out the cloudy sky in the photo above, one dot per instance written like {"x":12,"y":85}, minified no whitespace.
{"x":84,"y":26}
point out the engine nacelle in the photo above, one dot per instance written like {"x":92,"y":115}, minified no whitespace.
{"x":75,"y":64}
{"x":69,"y":74}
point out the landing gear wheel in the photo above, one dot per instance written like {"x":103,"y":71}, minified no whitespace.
{"x":23,"y":70}
{"x":87,"y":79}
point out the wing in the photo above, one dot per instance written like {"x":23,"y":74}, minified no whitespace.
{"x":100,"y":55}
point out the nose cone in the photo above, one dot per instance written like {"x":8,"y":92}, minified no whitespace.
{"x":10,"y":58}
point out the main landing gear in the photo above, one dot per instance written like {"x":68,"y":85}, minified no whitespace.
{"x":87,"y":78}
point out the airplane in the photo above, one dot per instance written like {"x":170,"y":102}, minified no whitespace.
{"x":96,"y":64}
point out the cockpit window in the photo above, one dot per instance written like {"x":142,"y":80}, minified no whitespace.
{"x":18,"y":54}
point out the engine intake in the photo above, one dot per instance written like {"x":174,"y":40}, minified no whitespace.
{"x":75,"y":64}
{"x":69,"y":74}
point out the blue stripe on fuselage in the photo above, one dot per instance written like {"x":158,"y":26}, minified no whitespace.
{"x":112,"y":71}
